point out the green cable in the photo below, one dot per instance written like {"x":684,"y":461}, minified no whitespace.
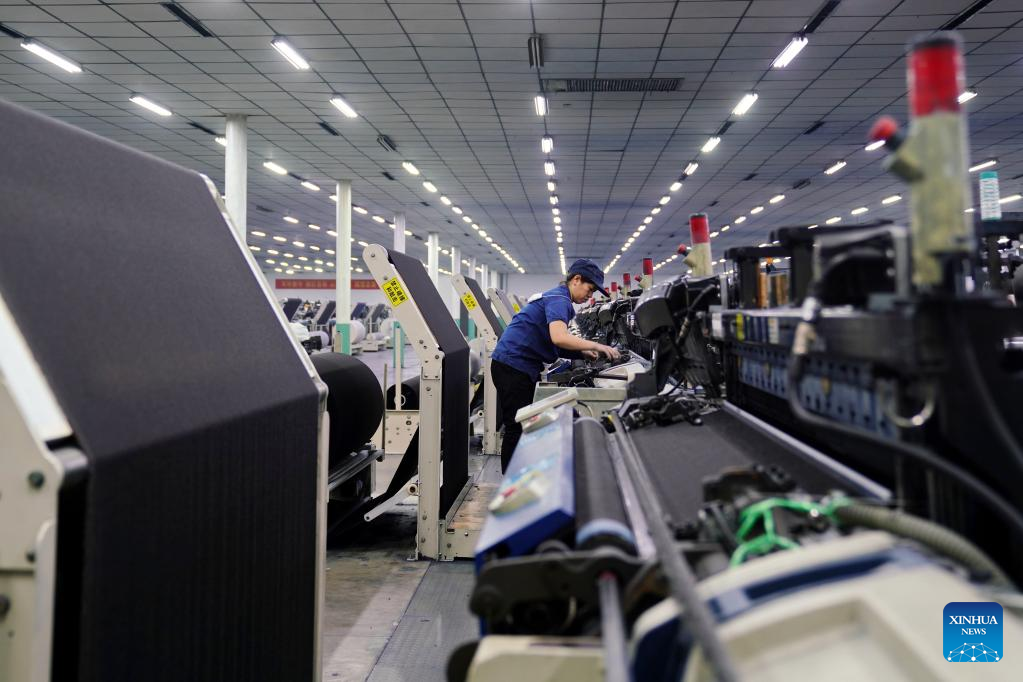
{"x":763,"y":511}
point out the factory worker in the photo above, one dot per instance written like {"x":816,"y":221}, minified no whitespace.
{"x":538,"y":335}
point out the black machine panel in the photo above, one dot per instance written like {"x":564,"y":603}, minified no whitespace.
{"x":455,"y":413}
{"x":484,"y":302}
{"x":199,"y":518}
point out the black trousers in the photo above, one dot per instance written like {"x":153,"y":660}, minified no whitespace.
{"x":514,"y":391}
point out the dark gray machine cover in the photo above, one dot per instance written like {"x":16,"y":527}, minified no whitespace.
{"x":484,"y":302}
{"x":455,"y":380}
{"x":191,"y":553}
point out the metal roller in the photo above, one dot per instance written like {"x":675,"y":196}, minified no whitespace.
{"x":600,"y":517}
{"x":409,"y":395}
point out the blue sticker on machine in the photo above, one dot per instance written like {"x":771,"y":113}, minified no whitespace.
{"x":972,"y":632}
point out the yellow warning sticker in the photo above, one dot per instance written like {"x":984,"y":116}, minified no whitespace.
{"x":395,"y":292}
{"x":740,"y":327}
{"x":469,"y":301}
{"x":517,"y":308}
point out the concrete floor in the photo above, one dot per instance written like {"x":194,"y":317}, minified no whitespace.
{"x":386,"y":618}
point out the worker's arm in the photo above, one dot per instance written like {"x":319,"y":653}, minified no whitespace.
{"x":567,"y":341}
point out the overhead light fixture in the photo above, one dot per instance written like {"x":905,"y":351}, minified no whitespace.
{"x":483,"y":233}
{"x":344,"y":107}
{"x":548,"y":167}
{"x":310,"y":186}
{"x":675,"y":186}
{"x":313,"y":226}
{"x":983,"y":164}
{"x":859,"y":211}
{"x":278,"y":238}
{"x":966,"y":96}
{"x":726,"y":228}
{"x":1011,"y":198}
{"x":221,"y":140}
{"x":275,"y":168}
{"x":475,"y":227}
{"x":663,"y":200}
{"x":833,"y":220}
{"x":282,"y":45}
{"x":648,"y":220}
{"x":540,"y":105}
{"x":556,"y":211}
{"x":891,"y":200}
{"x":379,"y":219}
{"x":300,"y":245}
{"x":429,"y":186}
{"x":254,"y":248}
{"x":710,"y":144}
{"x":410,"y":167}
{"x":360,"y":209}
{"x":466,"y":219}
{"x":457,"y":210}
{"x":713,"y":234}
{"x":641,"y":228}
{"x":756,"y":209}
{"x":551,"y":186}
{"x":691,"y":168}
{"x":51,"y":56}
{"x":834,"y":168}
{"x":444,"y":200}
{"x":776,"y":198}
{"x":257,"y":233}
{"x":150,"y":104}
{"x":794,"y":47}
{"x":554,"y":200}
{"x":546,"y":144}
{"x":740,"y":220}
{"x":876,"y":144}
{"x":745,"y":103}
{"x":333,"y":197}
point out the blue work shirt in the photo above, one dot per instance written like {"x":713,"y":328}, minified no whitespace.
{"x":526,"y":344}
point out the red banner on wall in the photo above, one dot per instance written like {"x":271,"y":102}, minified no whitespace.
{"x":284,"y":283}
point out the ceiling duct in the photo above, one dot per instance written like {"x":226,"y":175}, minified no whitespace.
{"x":329,"y":128}
{"x":816,"y":126}
{"x":823,"y":13}
{"x":387,"y":175}
{"x":187,"y":19}
{"x":535,"y":48}
{"x":611,"y":84}
{"x":749,"y":177}
{"x":11,"y":32}
{"x":800,"y":184}
{"x":200,"y":126}
{"x":961,"y":18}
{"x":387,"y":143}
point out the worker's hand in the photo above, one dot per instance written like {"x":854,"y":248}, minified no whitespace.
{"x":609,"y":352}
{"x":590,"y":354}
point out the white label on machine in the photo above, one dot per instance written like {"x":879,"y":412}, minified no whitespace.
{"x":717,"y":326}
{"x":773,"y":333}
{"x":990,"y":209}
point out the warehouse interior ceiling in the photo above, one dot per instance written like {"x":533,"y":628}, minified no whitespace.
{"x":450,"y":83}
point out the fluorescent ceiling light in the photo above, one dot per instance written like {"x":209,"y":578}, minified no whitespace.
{"x":726,"y":228}
{"x":556,"y":211}
{"x":279,"y":239}
{"x":273,"y":167}
{"x":713,"y":234}
{"x":466,"y":219}
{"x":457,"y":210}
{"x":648,"y":220}
{"x":290,"y":53}
{"x":300,"y":245}
{"x":655,"y":210}
{"x":641,"y":228}
{"x":1011,"y":198}
{"x":691,"y":168}
{"x":410,"y":167}
{"x":982,"y":165}
{"x":876,"y":144}
{"x":557,"y":220}
{"x":548,"y":167}
{"x":257,"y":233}
{"x":476,"y":227}
{"x":675,"y":186}
{"x":776,"y":198}
{"x":969,"y":210}
{"x":832,"y":221}
{"x":379,"y":219}
{"x":254,"y":248}
{"x":710,"y":144}
{"x":333,"y":197}
{"x":313,"y":226}
{"x":967,"y":95}
{"x":540,"y":105}
{"x":444,"y":200}
{"x":310,"y":186}
{"x":360,"y":209}
{"x":289,"y":219}
{"x":551,"y":185}
{"x":663,"y":200}
{"x":794,"y":47}
{"x":151,"y":105}
{"x":221,"y":140}
{"x":835,"y":168}
{"x":891,"y":200}
{"x":756,"y":209}
{"x":745,"y":103}
{"x":430,"y":187}
{"x":51,"y":56}
{"x":344,"y":107}
{"x":740,"y":220}
{"x":859,"y":211}
{"x":546,"y":144}
{"x":554,"y":200}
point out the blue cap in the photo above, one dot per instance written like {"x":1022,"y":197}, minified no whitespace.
{"x":589,"y":271}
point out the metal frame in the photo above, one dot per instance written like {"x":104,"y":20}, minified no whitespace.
{"x":432,"y":532}
{"x":491,"y":440}
{"x":498,"y":300}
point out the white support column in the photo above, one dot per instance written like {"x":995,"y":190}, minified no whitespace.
{"x":484,"y":279}
{"x":456,"y":269}
{"x":399,"y":232}
{"x":343,"y":268}
{"x":433,"y":256}
{"x":236,"y":171}
{"x":472,"y":269}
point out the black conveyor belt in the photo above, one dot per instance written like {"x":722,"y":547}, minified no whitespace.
{"x":598,"y":501}
{"x":680,"y":456}
{"x":485,"y":305}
